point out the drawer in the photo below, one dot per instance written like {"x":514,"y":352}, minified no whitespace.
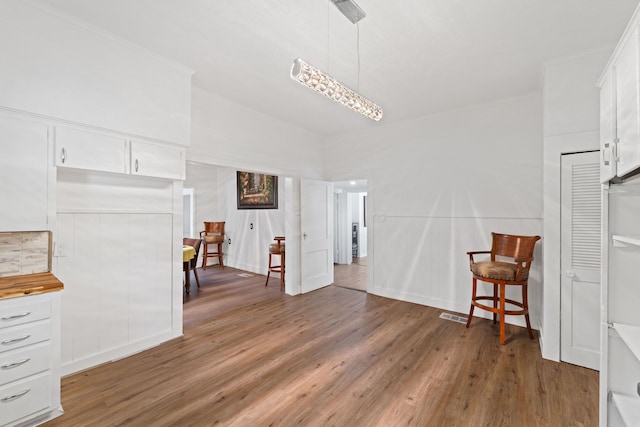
{"x":16,"y":311}
{"x":23,"y":362}
{"x":23,"y":398}
{"x":23,"y":335}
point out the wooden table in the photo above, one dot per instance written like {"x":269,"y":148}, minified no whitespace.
{"x":188,"y":252}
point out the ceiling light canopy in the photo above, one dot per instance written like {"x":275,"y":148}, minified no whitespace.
{"x":350,"y":9}
{"x":315,"y":79}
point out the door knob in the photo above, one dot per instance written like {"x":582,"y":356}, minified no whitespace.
{"x":570,"y":274}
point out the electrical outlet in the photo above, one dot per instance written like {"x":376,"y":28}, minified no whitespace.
{"x":229,"y":240}
{"x":59,"y":250}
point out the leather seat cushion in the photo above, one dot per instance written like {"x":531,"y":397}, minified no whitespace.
{"x":213,"y":238}
{"x":273,"y":247}
{"x":497,"y":270}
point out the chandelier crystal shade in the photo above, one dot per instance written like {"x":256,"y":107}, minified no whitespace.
{"x":315,"y":79}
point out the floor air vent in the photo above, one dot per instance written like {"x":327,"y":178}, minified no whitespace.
{"x":245,"y":275}
{"x":454,"y":318}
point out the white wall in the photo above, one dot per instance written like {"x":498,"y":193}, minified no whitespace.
{"x":228,"y":134}
{"x":237,"y":137}
{"x":571,"y":124}
{"x":57,"y":67}
{"x":57,"y":71}
{"x":250,"y":230}
{"x":216,"y":200}
{"x":437,"y":187}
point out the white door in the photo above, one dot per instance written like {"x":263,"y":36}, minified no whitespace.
{"x":316,"y":223}
{"x":580,"y":259}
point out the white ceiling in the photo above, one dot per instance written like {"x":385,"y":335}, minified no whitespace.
{"x":417,"y":57}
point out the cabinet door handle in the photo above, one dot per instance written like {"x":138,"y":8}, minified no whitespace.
{"x":63,"y":156}
{"x":14,"y":396}
{"x":136,"y":165}
{"x":15,"y":340}
{"x":604,"y":154}
{"x":16,"y":316}
{"x":15,"y":364}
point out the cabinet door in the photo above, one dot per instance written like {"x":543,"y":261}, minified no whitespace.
{"x":627,"y":111}
{"x":23,"y":175}
{"x":607,"y":128}
{"x":82,"y":149}
{"x":162,"y":161}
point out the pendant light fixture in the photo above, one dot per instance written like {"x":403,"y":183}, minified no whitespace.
{"x":322,"y":83}
{"x":311,"y":77}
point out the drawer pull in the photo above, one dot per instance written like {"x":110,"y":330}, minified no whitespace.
{"x":15,"y":396}
{"x":16,"y":316}
{"x":15,"y":364}
{"x":15,"y":340}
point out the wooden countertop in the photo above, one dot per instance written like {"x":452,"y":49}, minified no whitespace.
{"x":28,"y":284}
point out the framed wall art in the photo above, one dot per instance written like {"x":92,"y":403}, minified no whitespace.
{"x":257,"y":191}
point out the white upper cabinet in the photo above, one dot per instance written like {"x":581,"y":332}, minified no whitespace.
{"x":23,"y":175}
{"x":104,"y":152}
{"x":607,"y":128}
{"x":162,"y":161}
{"x":81,"y":149}
{"x":627,"y":94}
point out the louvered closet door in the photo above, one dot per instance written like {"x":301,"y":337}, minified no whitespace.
{"x":580,"y":259}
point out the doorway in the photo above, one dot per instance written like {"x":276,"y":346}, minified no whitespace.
{"x":351,"y":222}
{"x":580,"y":259}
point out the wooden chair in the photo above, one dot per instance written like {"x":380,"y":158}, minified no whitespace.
{"x":193,"y":264}
{"x":510,"y":263}
{"x":212,"y":238}
{"x":277,"y":249}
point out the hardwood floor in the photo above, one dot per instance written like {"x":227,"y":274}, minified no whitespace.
{"x":351,"y":276}
{"x":253,"y":356}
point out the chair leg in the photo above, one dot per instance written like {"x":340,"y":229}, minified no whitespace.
{"x":282,"y":271}
{"x":473,"y":299}
{"x":495,"y":301}
{"x":220,"y":255}
{"x":195,"y":273}
{"x":502,"y":308}
{"x":268,"y":270}
{"x":525,"y":303}
{"x":204,"y":257}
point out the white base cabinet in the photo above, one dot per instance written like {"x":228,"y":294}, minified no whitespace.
{"x":29,"y":359}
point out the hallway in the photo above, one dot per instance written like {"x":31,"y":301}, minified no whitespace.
{"x":351,"y":276}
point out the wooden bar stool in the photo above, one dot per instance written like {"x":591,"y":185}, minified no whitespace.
{"x":212,"y":238}
{"x":509,"y":265}
{"x":276,"y":249}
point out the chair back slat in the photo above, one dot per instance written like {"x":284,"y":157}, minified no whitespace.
{"x":214,"y":227}
{"x":512,"y":246}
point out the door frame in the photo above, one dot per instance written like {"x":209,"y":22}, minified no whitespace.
{"x":554,"y":147}
{"x":568,"y":351}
